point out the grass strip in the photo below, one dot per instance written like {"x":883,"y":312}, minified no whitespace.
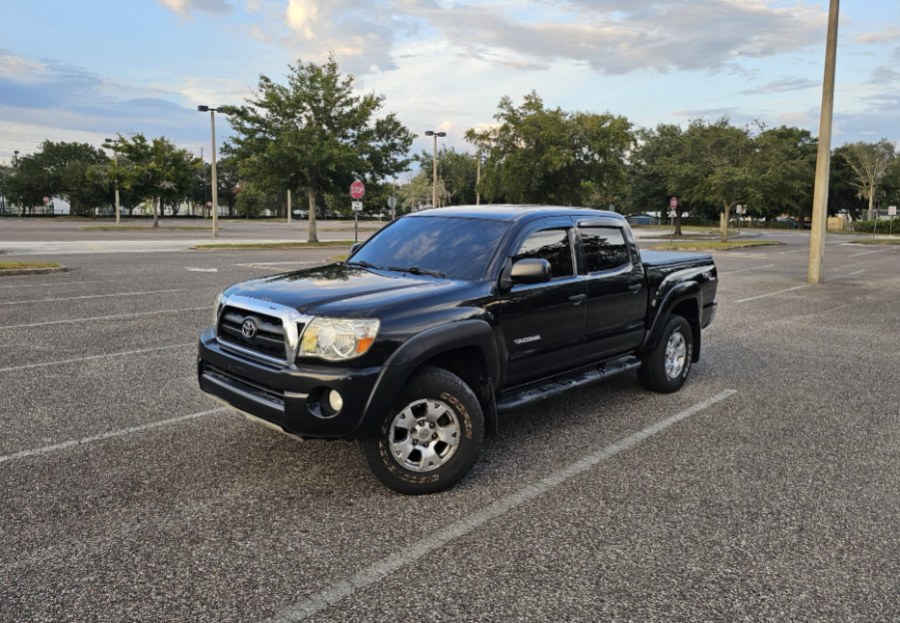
{"x":709,"y":245}
{"x":146,"y":228}
{"x":272,"y":245}
{"x":28,"y":265}
{"x":878,"y":241}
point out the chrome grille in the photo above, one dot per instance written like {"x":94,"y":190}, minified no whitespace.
{"x":267,"y":337}
{"x":260,"y":329}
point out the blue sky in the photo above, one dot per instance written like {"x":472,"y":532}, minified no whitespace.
{"x":83,"y":70}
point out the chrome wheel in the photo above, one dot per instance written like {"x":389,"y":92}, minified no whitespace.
{"x":676,"y":354}
{"x":424,"y":435}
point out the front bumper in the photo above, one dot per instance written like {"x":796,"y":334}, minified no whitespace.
{"x":293,"y":398}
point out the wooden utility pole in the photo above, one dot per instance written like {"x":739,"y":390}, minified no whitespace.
{"x":823,"y":158}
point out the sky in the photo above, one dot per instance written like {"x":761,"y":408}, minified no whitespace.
{"x":85,"y":70}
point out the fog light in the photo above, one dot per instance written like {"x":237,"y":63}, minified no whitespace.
{"x":335,"y":401}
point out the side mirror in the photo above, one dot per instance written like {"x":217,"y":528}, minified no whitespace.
{"x":530,"y":270}
{"x":355,"y":247}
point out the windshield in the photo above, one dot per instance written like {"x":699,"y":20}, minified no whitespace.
{"x":457,"y":248}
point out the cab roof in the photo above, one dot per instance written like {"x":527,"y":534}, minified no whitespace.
{"x":512,"y":212}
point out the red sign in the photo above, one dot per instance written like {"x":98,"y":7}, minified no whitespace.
{"x":357,"y":189}
{"x":673,"y":203}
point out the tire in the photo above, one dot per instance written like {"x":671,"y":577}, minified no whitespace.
{"x":432,"y":436}
{"x":666,"y":367}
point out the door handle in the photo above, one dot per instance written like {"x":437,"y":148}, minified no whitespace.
{"x":635,"y":288}
{"x":578,"y":299}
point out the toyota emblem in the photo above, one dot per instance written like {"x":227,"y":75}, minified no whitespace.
{"x":249,"y":328}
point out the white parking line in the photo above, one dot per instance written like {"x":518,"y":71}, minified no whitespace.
{"x":762,"y":296}
{"x":61,"y":283}
{"x":851,"y":274}
{"x":869,"y":253}
{"x":113,"y":317}
{"x":116,"y":433}
{"x":91,"y":296}
{"x":60,"y":362}
{"x":746,"y":270}
{"x":416,"y":551}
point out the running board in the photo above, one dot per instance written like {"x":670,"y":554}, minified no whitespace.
{"x":520,"y":397}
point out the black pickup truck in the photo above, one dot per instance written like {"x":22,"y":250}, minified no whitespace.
{"x":445,"y":318}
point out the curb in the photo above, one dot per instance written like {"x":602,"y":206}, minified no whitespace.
{"x":32,"y":271}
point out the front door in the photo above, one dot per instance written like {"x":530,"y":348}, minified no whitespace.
{"x":543,"y":324}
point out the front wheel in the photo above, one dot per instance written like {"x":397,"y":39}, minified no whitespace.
{"x":432,"y":436}
{"x":666,"y":367}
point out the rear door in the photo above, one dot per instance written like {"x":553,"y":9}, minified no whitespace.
{"x":543,"y":324}
{"x":616,"y":288}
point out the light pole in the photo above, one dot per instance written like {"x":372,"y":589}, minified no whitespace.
{"x":434,"y":165}
{"x":16,"y":172}
{"x":823,"y":156}
{"x":215,"y":192}
{"x":111,"y":142}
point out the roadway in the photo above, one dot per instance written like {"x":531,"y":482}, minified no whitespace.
{"x":767,"y":489}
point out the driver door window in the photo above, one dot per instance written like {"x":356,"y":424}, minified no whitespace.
{"x":551,"y":245}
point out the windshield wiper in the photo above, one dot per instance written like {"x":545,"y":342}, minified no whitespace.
{"x":363,"y":264}
{"x":416,"y":270}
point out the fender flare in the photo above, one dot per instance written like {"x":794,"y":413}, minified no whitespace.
{"x":405,"y":360}
{"x":687,"y":291}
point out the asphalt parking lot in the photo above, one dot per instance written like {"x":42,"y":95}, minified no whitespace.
{"x":766,"y":490}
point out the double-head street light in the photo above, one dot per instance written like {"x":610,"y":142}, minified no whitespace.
{"x":434,"y":165}
{"x":215,"y":194}
{"x":111,"y":143}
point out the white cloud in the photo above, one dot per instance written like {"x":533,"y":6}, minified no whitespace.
{"x":20,"y":69}
{"x":186,"y":7}
{"x":303,"y":17}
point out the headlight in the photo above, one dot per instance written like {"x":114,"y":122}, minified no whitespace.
{"x":336,"y":339}
{"x":217,"y":307}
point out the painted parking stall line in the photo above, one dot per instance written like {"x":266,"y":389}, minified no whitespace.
{"x":763,"y":296}
{"x":126,"y":353}
{"x":390,"y":564}
{"x":745,"y":270}
{"x":109,"y":435}
{"x":92,"y":296}
{"x":112,"y":317}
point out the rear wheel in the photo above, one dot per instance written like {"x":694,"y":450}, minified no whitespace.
{"x":432,"y":436}
{"x":666,"y":367}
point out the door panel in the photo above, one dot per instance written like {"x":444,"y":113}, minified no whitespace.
{"x":543,"y":324}
{"x":616,"y":290}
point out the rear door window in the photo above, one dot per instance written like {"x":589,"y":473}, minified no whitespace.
{"x":604,"y":248}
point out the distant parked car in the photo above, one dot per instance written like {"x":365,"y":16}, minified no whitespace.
{"x":787,"y":221}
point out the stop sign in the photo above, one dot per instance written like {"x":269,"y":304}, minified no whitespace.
{"x":357,"y":189}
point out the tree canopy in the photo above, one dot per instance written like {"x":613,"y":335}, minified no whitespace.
{"x":314,"y":134}
{"x":540,"y":155}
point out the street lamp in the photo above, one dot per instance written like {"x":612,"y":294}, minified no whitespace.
{"x":16,"y":172}
{"x":434,"y":165}
{"x":111,"y":143}
{"x":215,"y":193}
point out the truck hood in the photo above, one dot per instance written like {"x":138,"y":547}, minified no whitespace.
{"x":338,"y":288}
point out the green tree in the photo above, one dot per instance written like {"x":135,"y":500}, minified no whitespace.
{"x":315,"y":135}
{"x":785,"y":166}
{"x":843,"y":195}
{"x":74,"y":171}
{"x":155,"y":171}
{"x":714,"y":165}
{"x":869,"y":162}
{"x":652,"y":185}
{"x":456,"y":176}
{"x":541,"y":155}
